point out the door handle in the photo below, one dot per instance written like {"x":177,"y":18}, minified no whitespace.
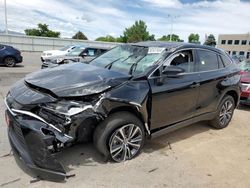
{"x":195,"y":85}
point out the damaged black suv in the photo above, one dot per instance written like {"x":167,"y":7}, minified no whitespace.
{"x":130,"y":93}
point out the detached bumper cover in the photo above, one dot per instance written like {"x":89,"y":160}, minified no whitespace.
{"x":29,"y":147}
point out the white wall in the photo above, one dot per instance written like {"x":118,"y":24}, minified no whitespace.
{"x":38,"y":44}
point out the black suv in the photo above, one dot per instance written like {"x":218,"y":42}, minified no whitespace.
{"x":130,"y":93}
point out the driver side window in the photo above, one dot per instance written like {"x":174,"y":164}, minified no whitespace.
{"x":183,"y":59}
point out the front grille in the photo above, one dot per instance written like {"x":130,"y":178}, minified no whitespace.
{"x":16,"y":129}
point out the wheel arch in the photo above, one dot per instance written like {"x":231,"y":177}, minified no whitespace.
{"x":235,"y":96}
{"x":130,"y":109}
{"x":9,"y":55}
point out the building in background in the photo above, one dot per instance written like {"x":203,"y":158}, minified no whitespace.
{"x":235,"y":44}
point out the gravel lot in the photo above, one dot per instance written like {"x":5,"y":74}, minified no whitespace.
{"x":195,"y":156}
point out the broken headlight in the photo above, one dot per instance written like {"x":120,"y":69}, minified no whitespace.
{"x":67,"y":108}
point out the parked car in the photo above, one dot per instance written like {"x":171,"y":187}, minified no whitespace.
{"x":129,"y":94}
{"x":79,"y":54}
{"x":9,"y":56}
{"x":54,"y":53}
{"x":245,"y":82}
{"x":238,"y":58}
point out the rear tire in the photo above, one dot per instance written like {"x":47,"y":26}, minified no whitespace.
{"x":120,"y":136}
{"x":10,"y":61}
{"x":224,"y":114}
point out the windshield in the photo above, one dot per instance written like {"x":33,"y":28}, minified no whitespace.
{"x":130,"y":59}
{"x":65,"y":48}
{"x":245,"y":65}
{"x":76,"y":52}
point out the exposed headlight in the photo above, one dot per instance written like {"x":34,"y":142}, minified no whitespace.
{"x":68,"y":108}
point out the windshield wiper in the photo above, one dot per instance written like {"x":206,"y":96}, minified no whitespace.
{"x":135,"y":65}
{"x":109,"y":65}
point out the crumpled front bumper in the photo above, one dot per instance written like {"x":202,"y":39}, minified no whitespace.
{"x":29,"y":148}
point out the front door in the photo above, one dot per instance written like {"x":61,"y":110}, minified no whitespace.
{"x":175,"y":98}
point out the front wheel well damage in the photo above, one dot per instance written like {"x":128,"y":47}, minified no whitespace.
{"x":129,"y":109}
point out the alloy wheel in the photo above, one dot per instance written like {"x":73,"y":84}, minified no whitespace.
{"x":226,"y":112}
{"x":10,"y":61}
{"x":125,"y":142}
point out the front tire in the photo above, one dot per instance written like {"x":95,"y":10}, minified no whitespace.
{"x":120,"y":137}
{"x":225,"y":113}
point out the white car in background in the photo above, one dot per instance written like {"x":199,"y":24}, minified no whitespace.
{"x":52,"y":53}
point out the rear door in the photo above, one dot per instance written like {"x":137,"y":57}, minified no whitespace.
{"x":175,"y":99}
{"x":213,"y":79}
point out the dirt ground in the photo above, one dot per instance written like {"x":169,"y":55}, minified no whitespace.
{"x":195,"y":156}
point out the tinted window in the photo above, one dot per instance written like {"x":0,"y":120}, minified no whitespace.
{"x":184,"y":60}
{"x":207,"y":60}
{"x":229,"y":42}
{"x":223,"y":42}
{"x":234,"y":53}
{"x":236,"y":42}
{"x":244,"y":42}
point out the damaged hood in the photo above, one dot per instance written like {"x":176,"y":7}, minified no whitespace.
{"x":75,"y":80}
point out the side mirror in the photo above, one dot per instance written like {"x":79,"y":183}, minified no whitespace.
{"x":172,"y":71}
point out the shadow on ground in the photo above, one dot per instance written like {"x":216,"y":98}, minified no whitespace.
{"x":243,"y":107}
{"x":87,"y":155}
{"x":17,"y":66}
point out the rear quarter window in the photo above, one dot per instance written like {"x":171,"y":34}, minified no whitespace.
{"x":225,"y":60}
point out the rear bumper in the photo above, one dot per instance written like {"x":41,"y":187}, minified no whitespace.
{"x":31,"y":153}
{"x":19,"y":59}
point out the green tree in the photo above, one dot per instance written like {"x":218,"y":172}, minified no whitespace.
{"x":107,"y":38}
{"x":137,"y":32}
{"x":80,"y":35}
{"x":43,"y":31}
{"x":210,"y":41}
{"x":174,"y":37}
{"x":194,"y":38}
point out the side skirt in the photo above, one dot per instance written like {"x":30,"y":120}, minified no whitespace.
{"x":173,"y":127}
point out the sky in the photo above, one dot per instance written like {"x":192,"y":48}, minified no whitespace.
{"x":110,"y":17}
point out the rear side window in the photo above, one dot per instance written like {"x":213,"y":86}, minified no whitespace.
{"x":207,"y":60}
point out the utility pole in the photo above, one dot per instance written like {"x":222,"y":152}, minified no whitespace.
{"x":6,"y":22}
{"x":172,"y":24}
